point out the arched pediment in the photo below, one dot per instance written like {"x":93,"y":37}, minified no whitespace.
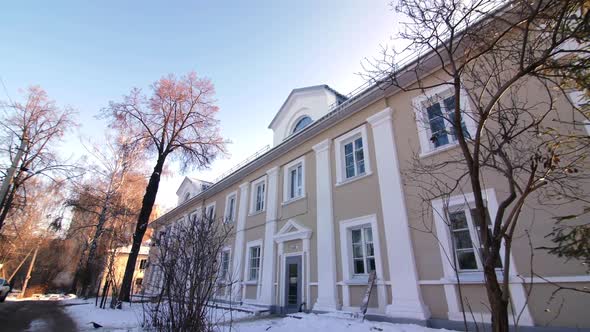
{"x":313,"y":102}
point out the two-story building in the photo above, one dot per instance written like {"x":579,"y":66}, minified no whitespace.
{"x":329,"y":203}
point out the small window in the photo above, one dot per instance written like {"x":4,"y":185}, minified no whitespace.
{"x":254,"y":263}
{"x":442,"y":131}
{"x":187,"y":196}
{"x":354,"y":158}
{"x":258,"y":195}
{"x":230,"y":208}
{"x":465,"y":231}
{"x":294,"y":180}
{"x":363,"y":251}
{"x":210,"y":212}
{"x":224,"y":268}
{"x":142,"y":264}
{"x":434,"y":118}
{"x":138,"y":282}
{"x":302,"y":123}
{"x":352,"y":155}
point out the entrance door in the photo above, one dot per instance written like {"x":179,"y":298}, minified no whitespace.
{"x":293,"y":287}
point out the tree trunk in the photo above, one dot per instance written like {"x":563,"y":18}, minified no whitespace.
{"x":6,"y":205}
{"x":90,"y":270}
{"x":498,"y":305}
{"x":142,"y":222}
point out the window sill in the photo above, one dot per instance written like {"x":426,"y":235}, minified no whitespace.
{"x":353,"y":179}
{"x":438,"y":150}
{"x":473,"y":277}
{"x":250,"y":282}
{"x":292,"y":200}
{"x":252,"y":214}
{"x":361,"y":280}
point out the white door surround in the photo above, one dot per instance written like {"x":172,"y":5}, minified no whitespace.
{"x":405,"y":290}
{"x":294,"y":231}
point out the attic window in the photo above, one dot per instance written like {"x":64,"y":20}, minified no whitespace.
{"x":302,"y":123}
{"x":187,"y":196}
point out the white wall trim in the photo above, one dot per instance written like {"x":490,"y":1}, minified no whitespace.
{"x":346,"y":256}
{"x":301,"y":232}
{"x":445,"y":248}
{"x":431,"y":96}
{"x":327,"y":299}
{"x":226,"y":209}
{"x":339,"y":147}
{"x":405,"y":291}
{"x":268,"y":260}
{"x":261,"y":179}
{"x":287,"y":177}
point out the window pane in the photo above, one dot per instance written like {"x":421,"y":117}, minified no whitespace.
{"x":458,"y":220}
{"x":302,"y":124}
{"x":356,"y":236}
{"x":368,"y":234}
{"x":476,"y":218}
{"x":359,"y":266}
{"x":450,"y":107}
{"x":437,"y":125}
{"x":462,"y":239}
{"x":293,"y":183}
{"x":349,"y":171}
{"x":370,"y":251}
{"x":371,"y":264}
{"x":466,"y":260}
{"x":348,"y":149}
{"x":357,"y":250}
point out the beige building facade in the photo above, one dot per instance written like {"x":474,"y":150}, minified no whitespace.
{"x":331,"y":202}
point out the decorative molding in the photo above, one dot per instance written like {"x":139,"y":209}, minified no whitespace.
{"x":322,"y":146}
{"x":405,"y":291}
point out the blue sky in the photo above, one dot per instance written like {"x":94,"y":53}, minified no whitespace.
{"x":86,"y":53}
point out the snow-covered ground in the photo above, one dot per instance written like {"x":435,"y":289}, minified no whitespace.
{"x":130,"y":317}
{"x":323,"y":322}
{"x":83,"y":312}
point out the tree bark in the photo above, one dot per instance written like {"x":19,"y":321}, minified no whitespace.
{"x":90,"y":270}
{"x":142,"y":222}
{"x":6,"y":205}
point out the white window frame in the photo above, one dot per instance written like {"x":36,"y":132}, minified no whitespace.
{"x":443,"y":232}
{"x":208,"y":207}
{"x":287,"y":180}
{"x":340,"y":142}
{"x":346,"y":227}
{"x":253,"y":188}
{"x":430,"y":97}
{"x":225,"y":277}
{"x":252,"y":244}
{"x":576,"y":98}
{"x":226,"y":217}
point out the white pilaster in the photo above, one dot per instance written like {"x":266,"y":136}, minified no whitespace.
{"x":406,"y":298}
{"x":268,"y":259}
{"x":239,"y":249}
{"x":327,"y":294}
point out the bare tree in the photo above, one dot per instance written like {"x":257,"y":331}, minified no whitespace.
{"x":176,"y":122}
{"x":488,"y":56}
{"x":103,"y":197}
{"x":186,"y":273}
{"x":37,"y":125}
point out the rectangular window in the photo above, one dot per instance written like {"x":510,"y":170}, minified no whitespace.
{"x":440,"y":115}
{"x":295,"y":181}
{"x":230,"y":208}
{"x":224,"y":268}
{"x":465,"y":232}
{"x":259,"y":203}
{"x":254,"y":263}
{"x":142,"y":264}
{"x":354,"y":158}
{"x":211,"y":212}
{"x":363,"y":252}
